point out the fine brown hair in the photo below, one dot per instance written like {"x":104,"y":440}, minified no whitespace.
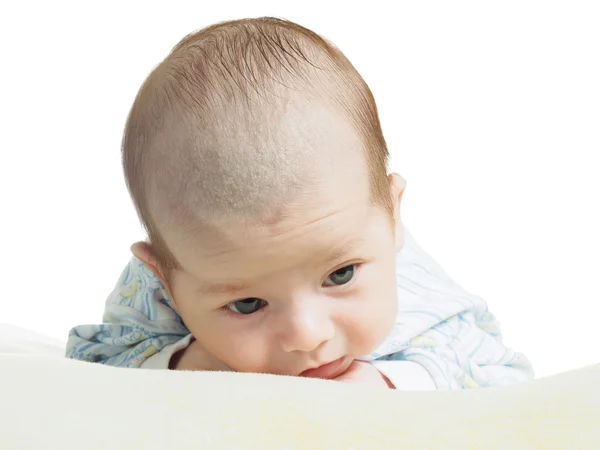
{"x":246,"y":63}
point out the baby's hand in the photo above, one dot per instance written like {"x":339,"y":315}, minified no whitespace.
{"x":364,"y":373}
{"x":194,"y":357}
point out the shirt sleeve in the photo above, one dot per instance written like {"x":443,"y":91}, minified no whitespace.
{"x":138,"y":323}
{"x":465,"y":351}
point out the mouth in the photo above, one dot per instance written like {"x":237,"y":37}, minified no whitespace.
{"x":329,"y":370}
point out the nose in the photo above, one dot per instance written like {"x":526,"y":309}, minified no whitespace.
{"x":306,"y":327}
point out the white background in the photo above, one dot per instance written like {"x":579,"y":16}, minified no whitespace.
{"x":490,"y":109}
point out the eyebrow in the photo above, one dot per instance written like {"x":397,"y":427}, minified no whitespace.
{"x":222,"y":288}
{"x":335,"y":253}
{"x":347,"y":247}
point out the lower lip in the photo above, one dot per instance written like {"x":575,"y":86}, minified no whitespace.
{"x":325,"y":371}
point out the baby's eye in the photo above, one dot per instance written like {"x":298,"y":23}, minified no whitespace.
{"x":246,"y":306}
{"x":341,"y":276}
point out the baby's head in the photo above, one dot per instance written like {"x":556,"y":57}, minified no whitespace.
{"x":256,"y":161}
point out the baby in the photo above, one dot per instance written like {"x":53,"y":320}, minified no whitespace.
{"x":255,"y":159}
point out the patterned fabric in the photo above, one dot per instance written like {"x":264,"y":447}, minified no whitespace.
{"x":439,"y":325}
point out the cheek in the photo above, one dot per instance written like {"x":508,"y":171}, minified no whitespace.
{"x":243,"y":350}
{"x":370,"y":321}
{"x":376,"y":322}
{"x":248,"y":352}
{"x":244,"y":346}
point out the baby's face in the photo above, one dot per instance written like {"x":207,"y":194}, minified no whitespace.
{"x":316,"y":287}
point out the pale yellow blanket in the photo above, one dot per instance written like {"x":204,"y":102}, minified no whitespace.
{"x":54,"y":403}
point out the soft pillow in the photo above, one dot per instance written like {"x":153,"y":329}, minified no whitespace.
{"x":56,"y":403}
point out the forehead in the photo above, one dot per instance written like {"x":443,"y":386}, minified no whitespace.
{"x":332,"y":203}
{"x":332,"y":215}
{"x":252,"y":252}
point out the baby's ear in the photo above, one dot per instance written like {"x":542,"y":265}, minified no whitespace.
{"x":142,"y":251}
{"x":397,"y":187}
